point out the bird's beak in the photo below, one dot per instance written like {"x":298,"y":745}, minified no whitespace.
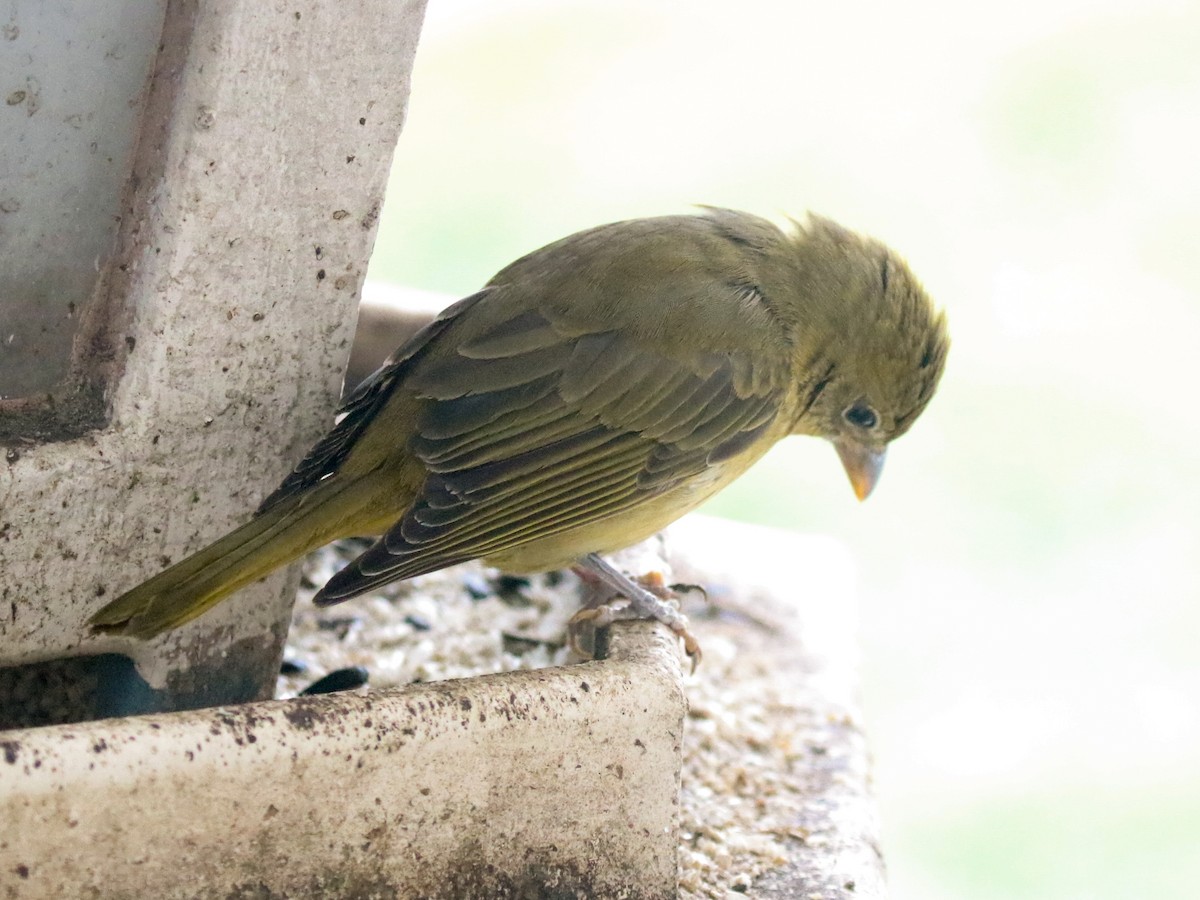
{"x":862,"y":463}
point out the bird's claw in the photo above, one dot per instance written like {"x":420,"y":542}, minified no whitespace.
{"x":647,"y":597}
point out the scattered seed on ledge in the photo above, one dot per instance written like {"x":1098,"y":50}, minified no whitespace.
{"x":419,"y":623}
{"x":510,"y":590}
{"x":476,"y":585}
{"x":519,"y":645}
{"x":338,"y":680}
{"x":511,"y":582}
{"x":340,"y":626}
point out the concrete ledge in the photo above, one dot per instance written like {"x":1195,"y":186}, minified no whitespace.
{"x":559,"y":782}
{"x":776,"y":798}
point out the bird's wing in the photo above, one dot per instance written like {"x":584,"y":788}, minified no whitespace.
{"x":361,"y":408}
{"x":534,"y":425}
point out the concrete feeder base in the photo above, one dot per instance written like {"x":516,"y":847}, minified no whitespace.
{"x":558,"y":782}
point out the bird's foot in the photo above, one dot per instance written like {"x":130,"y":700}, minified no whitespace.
{"x":623,"y":598}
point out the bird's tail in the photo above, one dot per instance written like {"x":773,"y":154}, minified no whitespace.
{"x":194,"y":585}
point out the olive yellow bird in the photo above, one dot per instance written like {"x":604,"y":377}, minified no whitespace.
{"x":590,"y":394}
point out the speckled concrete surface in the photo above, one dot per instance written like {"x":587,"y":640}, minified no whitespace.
{"x":559,"y":782}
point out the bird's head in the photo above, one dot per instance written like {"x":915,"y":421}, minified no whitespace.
{"x":869,"y":349}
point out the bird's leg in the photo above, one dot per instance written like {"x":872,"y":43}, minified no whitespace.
{"x":646,"y":598}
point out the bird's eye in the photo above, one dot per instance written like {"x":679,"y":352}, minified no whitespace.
{"x":861,"y":416}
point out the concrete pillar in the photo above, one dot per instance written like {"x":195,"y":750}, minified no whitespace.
{"x":188,"y":199}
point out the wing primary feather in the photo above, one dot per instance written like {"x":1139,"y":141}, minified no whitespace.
{"x":455,"y":376}
{"x":688,"y":433}
{"x":521,"y":495}
{"x":531,"y":460}
{"x":505,"y":445}
{"x":518,"y":335}
{"x":537,"y":524}
{"x":440,"y":451}
{"x":424,"y":540}
{"x":641,"y":383}
{"x":649,"y":395}
{"x":729,"y":420}
{"x":718,"y":394}
{"x":515,"y":495}
{"x":454,"y":418}
{"x":594,"y":358}
{"x":499,"y":541}
{"x":660,"y":416}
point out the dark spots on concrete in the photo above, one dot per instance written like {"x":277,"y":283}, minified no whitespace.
{"x":545,"y":874}
{"x":11,"y":750}
{"x":372,"y":216}
{"x":305,"y":715}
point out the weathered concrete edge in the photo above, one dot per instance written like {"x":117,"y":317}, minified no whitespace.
{"x":564,"y":777}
